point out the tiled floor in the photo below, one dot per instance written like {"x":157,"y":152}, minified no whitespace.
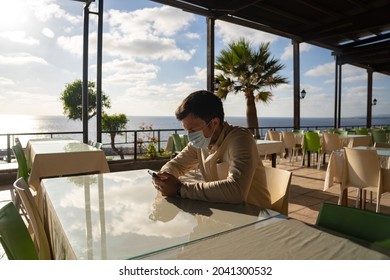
{"x":306,"y":192}
{"x":305,"y":197}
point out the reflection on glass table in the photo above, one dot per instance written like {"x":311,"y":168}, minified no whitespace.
{"x":121,"y":216}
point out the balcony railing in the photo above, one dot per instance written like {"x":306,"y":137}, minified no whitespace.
{"x":133,"y":142}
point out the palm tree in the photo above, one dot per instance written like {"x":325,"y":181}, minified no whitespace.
{"x":252,"y":72}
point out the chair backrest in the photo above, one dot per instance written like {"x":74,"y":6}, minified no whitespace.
{"x":379,"y":136}
{"x":361,"y":131}
{"x":331,"y":142}
{"x":98,"y":145}
{"x":277,"y":183}
{"x":22,"y":162}
{"x":274,"y":135}
{"x":312,"y":142}
{"x":41,"y":240}
{"x":362,"y":224}
{"x":177,"y":143}
{"x":361,"y":168}
{"x":298,"y":131}
{"x":361,"y":141}
{"x":341,"y":132}
{"x":288,"y":139}
{"x":14,"y":236}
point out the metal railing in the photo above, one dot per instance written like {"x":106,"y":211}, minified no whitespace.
{"x":133,"y":142}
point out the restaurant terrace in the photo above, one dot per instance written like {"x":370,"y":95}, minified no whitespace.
{"x":328,"y":189}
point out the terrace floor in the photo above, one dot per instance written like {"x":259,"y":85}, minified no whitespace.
{"x":305,"y":197}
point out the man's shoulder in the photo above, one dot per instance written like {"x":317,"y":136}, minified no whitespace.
{"x":238,"y":131}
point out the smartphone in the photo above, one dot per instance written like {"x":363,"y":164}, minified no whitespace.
{"x":152,"y":173}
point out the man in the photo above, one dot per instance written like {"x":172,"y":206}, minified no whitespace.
{"x":226,"y":156}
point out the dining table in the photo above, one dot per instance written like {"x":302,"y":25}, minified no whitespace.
{"x":285,"y":239}
{"x":335,"y":168}
{"x":270,"y":147}
{"x":120,"y":215}
{"x":54,"y":157}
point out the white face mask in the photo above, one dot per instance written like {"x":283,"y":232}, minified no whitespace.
{"x":197,"y":138}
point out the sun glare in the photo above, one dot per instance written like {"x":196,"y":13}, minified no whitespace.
{"x":13,"y":13}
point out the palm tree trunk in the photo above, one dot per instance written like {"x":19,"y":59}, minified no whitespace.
{"x":251,"y":114}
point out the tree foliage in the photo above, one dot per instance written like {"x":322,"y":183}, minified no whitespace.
{"x":71,"y":99}
{"x":113,"y":124}
{"x":251,"y":71}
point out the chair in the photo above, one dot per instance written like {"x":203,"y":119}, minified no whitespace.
{"x":14,"y":236}
{"x":360,"y":141}
{"x":23,"y":170}
{"x":275,"y":184}
{"x":273,"y":136}
{"x":361,"y":131}
{"x":22,"y":162}
{"x":362,"y":224}
{"x":379,"y":136}
{"x":312,"y":143}
{"x":362,"y":171}
{"x":341,"y":132}
{"x":177,"y":143}
{"x":40,"y":237}
{"x":291,"y":144}
{"x":98,"y":145}
{"x":331,"y":142}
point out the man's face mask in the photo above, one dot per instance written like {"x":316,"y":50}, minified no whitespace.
{"x":198,"y":140}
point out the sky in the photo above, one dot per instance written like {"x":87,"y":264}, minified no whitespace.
{"x":153,"y":57}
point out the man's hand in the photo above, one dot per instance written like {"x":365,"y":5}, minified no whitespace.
{"x":167,"y":184}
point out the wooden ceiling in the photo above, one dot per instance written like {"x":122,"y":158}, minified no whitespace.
{"x":356,"y":30}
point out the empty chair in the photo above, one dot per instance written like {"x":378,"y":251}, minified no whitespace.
{"x":98,"y":145}
{"x":312,"y":144}
{"x":14,"y":236}
{"x":361,"y":131}
{"x":379,"y":136}
{"x":360,"y":141}
{"x":331,"y":142}
{"x":40,"y":237}
{"x":341,"y":132}
{"x":274,"y":135}
{"x":365,"y":225}
{"x":272,"y":191}
{"x":177,"y":144}
{"x":290,"y":144}
{"x":362,"y":171}
{"x":22,"y":162}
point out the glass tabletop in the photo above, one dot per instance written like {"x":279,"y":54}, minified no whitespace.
{"x":121,"y":216}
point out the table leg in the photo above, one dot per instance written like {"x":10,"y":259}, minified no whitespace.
{"x":344,"y":198}
{"x":273,"y":160}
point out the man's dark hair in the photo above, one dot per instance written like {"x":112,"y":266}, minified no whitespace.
{"x":203,"y":104}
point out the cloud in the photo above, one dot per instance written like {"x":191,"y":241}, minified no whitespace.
{"x":45,"y":10}
{"x":48,"y":32}
{"x":350,"y":74}
{"x":229,"y":32}
{"x":19,"y":37}
{"x":288,"y":51}
{"x":193,"y":36}
{"x":21,"y":59}
{"x":6,"y":82}
{"x":71,"y":44}
{"x":129,"y":71}
{"x":200,"y":74}
{"x":161,"y":21}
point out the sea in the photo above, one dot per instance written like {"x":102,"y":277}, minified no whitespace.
{"x":25,"y":124}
